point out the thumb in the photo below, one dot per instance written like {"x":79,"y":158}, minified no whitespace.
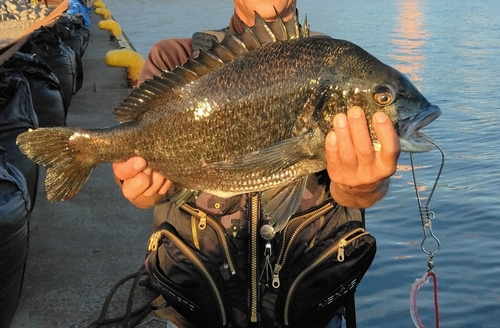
{"x":130,"y":168}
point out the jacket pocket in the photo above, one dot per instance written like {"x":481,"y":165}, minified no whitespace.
{"x":190,"y":283}
{"x":318,"y":283}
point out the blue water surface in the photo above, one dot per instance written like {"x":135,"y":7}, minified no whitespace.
{"x":451,"y":51}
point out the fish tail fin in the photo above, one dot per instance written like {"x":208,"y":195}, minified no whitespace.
{"x":67,"y":167}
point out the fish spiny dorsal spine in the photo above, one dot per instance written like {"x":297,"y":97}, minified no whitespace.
{"x":220,"y":53}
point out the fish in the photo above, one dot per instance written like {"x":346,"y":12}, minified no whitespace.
{"x":249,"y":114}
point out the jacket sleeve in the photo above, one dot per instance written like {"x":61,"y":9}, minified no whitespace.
{"x":165,"y":55}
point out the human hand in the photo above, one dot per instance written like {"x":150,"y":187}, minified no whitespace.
{"x":359,"y":174}
{"x":140,"y":185}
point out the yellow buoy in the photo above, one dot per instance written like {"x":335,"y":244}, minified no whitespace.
{"x":112,"y":26}
{"x":103,"y":12}
{"x":127,"y":58}
{"x":99,"y":4}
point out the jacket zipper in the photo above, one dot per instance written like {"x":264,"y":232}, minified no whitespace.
{"x":339,"y":246}
{"x":153,"y":245}
{"x":254,"y":232}
{"x":220,"y":231}
{"x":280,"y":262}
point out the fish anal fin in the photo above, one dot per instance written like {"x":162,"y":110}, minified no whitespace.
{"x":279,"y":204}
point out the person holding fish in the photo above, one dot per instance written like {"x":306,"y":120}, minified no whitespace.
{"x":359,"y":175}
{"x":259,"y":147}
{"x":356,"y":175}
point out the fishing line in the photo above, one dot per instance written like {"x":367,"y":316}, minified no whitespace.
{"x":426,"y":216}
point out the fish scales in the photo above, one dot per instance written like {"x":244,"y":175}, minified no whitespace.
{"x":254,"y":120}
{"x":247,"y":105}
{"x":233,"y":112}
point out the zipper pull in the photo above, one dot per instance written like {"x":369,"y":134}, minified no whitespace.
{"x":225,"y":271}
{"x":154,"y":240}
{"x":235,"y":227}
{"x":276,"y":276}
{"x":268,"y":269}
{"x":203,"y":220}
{"x":340,"y":253}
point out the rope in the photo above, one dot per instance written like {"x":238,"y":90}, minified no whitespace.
{"x":130,"y":318}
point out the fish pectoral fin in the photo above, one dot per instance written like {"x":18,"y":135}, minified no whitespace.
{"x":275,"y":158}
{"x":279,"y":204}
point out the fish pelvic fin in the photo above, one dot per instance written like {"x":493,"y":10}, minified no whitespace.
{"x":279,"y":204}
{"x":208,"y":60}
{"x":66,"y":171}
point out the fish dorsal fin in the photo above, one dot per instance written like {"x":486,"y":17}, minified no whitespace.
{"x":220,"y":53}
{"x":304,"y":29}
{"x":136,"y":104}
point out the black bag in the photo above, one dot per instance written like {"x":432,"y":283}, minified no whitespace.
{"x":75,"y":27}
{"x":58,"y":56}
{"x":14,"y":216}
{"x":17,"y":116}
{"x":70,"y":29}
{"x":187,"y":275}
{"x":46,"y":93}
{"x":320,"y":263}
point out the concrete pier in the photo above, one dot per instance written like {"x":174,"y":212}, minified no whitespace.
{"x":80,"y":248}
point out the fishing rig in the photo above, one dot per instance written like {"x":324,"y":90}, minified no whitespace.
{"x":426,"y":217}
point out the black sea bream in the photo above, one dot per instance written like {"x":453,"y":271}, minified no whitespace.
{"x":250,"y":114}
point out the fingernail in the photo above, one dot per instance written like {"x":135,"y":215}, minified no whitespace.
{"x":341,"y":121}
{"x":354,"y":112}
{"x":380,"y":117}
{"x":138,"y":165}
{"x":331,"y":138}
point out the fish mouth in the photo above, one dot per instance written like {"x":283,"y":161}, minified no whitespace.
{"x":410,"y":137}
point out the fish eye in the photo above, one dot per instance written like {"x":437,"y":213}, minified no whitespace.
{"x":384,"y":94}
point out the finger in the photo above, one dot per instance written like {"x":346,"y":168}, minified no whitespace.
{"x":157,"y":181}
{"x":136,"y":186}
{"x":360,"y":135}
{"x":331,"y":152}
{"x":130,"y":168}
{"x":346,"y":151}
{"x":389,"y":140}
{"x":167,"y":184}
